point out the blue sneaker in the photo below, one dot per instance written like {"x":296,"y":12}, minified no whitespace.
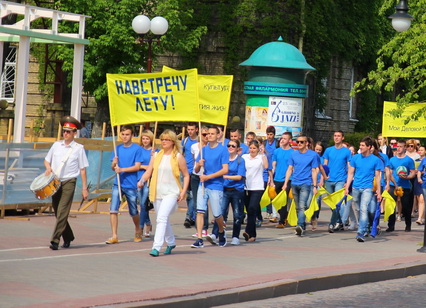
{"x":198,"y":244}
{"x":154,"y":253}
{"x":222,"y":239}
{"x":360,"y":238}
{"x":169,"y":249}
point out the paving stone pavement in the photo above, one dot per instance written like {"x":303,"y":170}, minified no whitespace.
{"x":397,"y":293}
{"x":91,"y":273}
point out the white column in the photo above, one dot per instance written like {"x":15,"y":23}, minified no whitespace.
{"x":21,"y":89}
{"x":77,"y":81}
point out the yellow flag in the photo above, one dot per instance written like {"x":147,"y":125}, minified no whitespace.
{"x":265,"y":200}
{"x":332,"y":199}
{"x":389,"y":206}
{"x":137,"y":98}
{"x":280,"y":200}
{"x":313,"y":207}
{"x":292,"y":215}
{"x":214,"y":96}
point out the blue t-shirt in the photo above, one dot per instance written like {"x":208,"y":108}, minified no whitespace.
{"x":303,"y":163}
{"x":224,"y":142}
{"x":281,"y":158}
{"x":365,"y":168}
{"x":146,"y":158}
{"x":236,"y":167}
{"x":127,"y":157}
{"x":385,"y":161}
{"x":186,"y":150}
{"x":337,"y":163}
{"x":320,"y":162}
{"x":244,"y":148}
{"x":422,"y":168}
{"x":394,"y":163}
{"x":214,"y":158}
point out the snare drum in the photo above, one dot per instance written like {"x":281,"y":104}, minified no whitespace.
{"x":45,"y":186}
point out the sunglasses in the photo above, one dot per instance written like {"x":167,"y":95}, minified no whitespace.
{"x":204,"y":135}
{"x":232,"y":146}
{"x":300,"y":141}
{"x":411,"y":145}
{"x":392,"y":143}
{"x":69,"y":131}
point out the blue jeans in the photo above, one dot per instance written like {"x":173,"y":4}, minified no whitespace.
{"x":302,"y":195}
{"x":332,"y":187}
{"x":144,"y":214}
{"x":362,"y":198}
{"x":236,"y":198}
{"x":131,"y":196}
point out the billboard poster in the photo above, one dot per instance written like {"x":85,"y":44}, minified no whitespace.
{"x":285,"y":114}
{"x":256,"y":120}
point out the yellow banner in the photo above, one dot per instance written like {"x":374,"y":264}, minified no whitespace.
{"x":214,"y":97}
{"x":395,"y":127}
{"x":138,"y":98}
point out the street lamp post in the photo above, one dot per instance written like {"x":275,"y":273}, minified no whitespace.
{"x":158,"y":26}
{"x":401,"y":20}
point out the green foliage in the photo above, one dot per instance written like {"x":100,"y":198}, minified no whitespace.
{"x":355,"y":138}
{"x":369,"y":113}
{"x":401,"y":63}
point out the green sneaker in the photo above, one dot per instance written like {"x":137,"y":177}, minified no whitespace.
{"x":154,"y":253}
{"x":169,"y":249}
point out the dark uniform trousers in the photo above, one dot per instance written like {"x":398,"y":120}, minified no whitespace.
{"x":61,"y":203}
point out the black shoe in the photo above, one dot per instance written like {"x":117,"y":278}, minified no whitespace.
{"x":187,"y":223}
{"x":192,"y":222}
{"x":408,"y":229}
{"x":66,"y":244}
{"x":339,"y":227}
{"x":390,"y":229}
{"x":54,"y":246}
{"x":331,"y":228}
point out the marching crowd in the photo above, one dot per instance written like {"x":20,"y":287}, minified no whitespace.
{"x":213,"y":172}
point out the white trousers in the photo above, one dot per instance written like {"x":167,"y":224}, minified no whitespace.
{"x":163,"y":232}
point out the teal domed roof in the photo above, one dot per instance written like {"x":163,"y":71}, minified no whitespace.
{"x":278,"y":54}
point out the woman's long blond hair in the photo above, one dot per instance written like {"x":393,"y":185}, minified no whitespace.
{"x":172,"y":136}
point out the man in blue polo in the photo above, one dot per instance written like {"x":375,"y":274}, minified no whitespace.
{"x":303,"y":171}
{"x":337,"y":159}
{"x":363,"y":169}
{"x":214,"y":159}
{"x":235,"y":134}
{"x":402,"y":180}
{"x":280,"y":159}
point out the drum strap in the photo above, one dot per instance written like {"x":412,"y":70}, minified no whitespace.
{"x":58,"y":171}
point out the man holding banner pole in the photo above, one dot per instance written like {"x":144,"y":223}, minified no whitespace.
{"x":214,"y":158}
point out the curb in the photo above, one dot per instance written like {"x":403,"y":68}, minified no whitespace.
{"x":281,"y":288}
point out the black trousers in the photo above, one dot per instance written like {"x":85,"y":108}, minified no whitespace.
{"x":407,"y":206}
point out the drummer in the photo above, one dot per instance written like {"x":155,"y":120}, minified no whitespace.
{"x":67,"y":160}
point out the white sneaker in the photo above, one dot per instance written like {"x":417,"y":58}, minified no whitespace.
{"x":352,"y":226}
{"x":235,"y":241}
{"x":212,"y":239}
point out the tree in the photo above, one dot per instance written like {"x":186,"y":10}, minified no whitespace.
{"x":112,"y":46}
{"x":401,"y":63}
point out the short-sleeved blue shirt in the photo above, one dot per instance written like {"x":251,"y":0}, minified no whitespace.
{"x":303,"y":163}
{"x":127,"y":157}
{"x":394,"y":163}
{"x":337,"y":163}
{"x":422,"y":168}
{"x":281,"y":157}
{"x":186,"y":149}
{"x":365,"y":168}
{"x":214,"y":159}
{"x":236,"y":167}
